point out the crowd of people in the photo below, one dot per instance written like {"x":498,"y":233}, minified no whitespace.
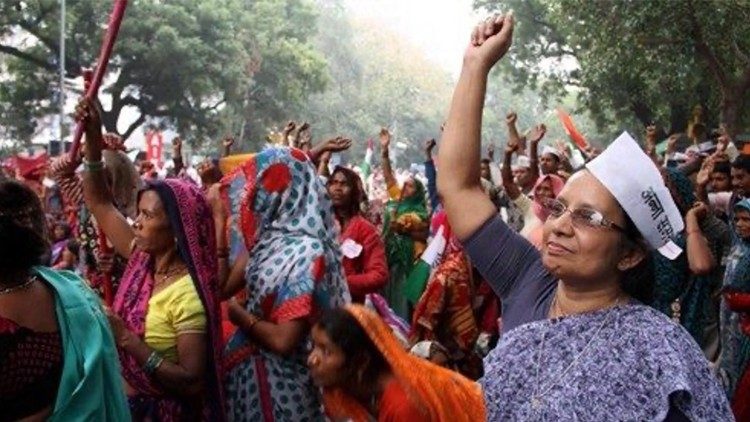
{"x":540,"y":287}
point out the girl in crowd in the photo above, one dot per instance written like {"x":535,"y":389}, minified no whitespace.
{"x":364,"y":260}
{"x":405,"y":229}
{"x":58,"y":360}
{"x":735,"y":316}
{"x":166,"y":314}
{"x":367,"y":375}
{"x":291,"y":271}
{"x":576,"y":342}
{"x":60,"y":238}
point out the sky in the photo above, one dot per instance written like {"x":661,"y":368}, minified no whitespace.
{"x":439,"y":28}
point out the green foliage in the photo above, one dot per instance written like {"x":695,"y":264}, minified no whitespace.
{"x":377,"y":80}
{"x":651,"y":61}
{"x":203,"y":67}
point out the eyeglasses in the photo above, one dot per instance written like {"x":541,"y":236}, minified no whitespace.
{"x":586,"y":217}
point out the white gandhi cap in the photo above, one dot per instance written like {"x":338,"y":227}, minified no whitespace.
{"x":635,"y":181}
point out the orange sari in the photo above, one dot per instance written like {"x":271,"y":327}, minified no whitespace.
{"x":439,"y":394}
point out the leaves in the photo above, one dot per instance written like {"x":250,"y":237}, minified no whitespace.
{"x":203,"y":67}
{"x":634,"y":59}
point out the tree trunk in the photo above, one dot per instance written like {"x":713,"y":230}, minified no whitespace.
{"x":730,"y":110}
{"x":642,"y":112}
{"x":678,"y":117}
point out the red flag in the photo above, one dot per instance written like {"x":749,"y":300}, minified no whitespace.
{"x":571,"y":131}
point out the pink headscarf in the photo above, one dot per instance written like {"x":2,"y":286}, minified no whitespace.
{"x":557,"y":183}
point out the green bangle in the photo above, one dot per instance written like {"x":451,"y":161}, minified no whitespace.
{"x":152,"y":363}
{"x":93,"y":165}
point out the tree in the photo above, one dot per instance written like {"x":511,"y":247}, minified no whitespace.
{"x":194,"y":65}
{"x":378,"y":80}
{"x":650,"y":60}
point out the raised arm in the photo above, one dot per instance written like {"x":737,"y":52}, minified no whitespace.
{"x":226,"y":145}
{"x":96,"y":192}
{"x":179,"y":164}
{"x":385,"y":143}
{"x":467,"y":206}
{"x":509,"y":185}
{"x":700,"y":258}
{"x":431,"y":173}
{"x":536,"y":135}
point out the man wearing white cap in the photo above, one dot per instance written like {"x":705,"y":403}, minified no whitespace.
{"x":549,"y":162}
{"x":577,"y":342}
{"x":523,"y":174}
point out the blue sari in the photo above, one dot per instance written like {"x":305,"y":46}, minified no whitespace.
{"x":90,"y":386}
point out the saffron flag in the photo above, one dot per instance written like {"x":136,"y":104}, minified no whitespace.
{"x":571,"y":131}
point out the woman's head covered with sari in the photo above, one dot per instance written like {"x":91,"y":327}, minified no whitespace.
{"x":548,"y":186}
{"x":370,"y":348}
{"x":192,"y":225}
{"x":286,"y":223}
{"x":411,"y":205}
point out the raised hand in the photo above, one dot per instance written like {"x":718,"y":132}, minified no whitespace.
{"x":511,"y":118}
{"x":704,"y":175}
{"x":288,"y":129}
{"x":338,"y":144}
{"x":227,"y":142}
{"x":512,"y":147}
{"x":490,"y":40}
{"x":87,"y":113}
{"x":699,"y":211}
{"x":177,"y":143}
{"x":385,"y":139}
{"x":651,"y":134}
{"x":537,"y":133}
{"x":491,"y":152}
{"x":429,"y":145}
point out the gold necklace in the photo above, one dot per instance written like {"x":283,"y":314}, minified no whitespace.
{"x":25,"y":285}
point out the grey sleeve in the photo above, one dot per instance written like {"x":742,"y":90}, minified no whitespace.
{"x":504,"y":258}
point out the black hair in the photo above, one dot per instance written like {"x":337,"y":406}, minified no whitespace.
{"x":74,"y":247}
{"x":346,"y":333}
{"x":723,"y":167}
{"x":23,"y":228}
{"x":638,"y":282}
{"x":742,"y":162}
{"x":485,"y":161}
{"x":356,"y":188}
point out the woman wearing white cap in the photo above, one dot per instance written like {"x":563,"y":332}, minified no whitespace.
{"x":576,"y":343}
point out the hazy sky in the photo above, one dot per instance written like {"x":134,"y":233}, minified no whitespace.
{"x":440,"y":28}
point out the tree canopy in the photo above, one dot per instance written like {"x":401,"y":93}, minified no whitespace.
{"x":650,"y":61}
{"x":199,"y":66}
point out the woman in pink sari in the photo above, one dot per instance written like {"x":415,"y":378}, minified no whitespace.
{"x":165,"y":317}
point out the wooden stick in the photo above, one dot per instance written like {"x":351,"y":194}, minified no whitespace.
{"x":115,"y":19}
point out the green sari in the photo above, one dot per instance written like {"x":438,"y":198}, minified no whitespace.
{"x":90,"y":388}
{"x":399,"y":248}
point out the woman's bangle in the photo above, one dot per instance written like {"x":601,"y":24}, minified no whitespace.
{"x":93,"y":165}
{"x":250,"y":321}
{"x":152,"y":363}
